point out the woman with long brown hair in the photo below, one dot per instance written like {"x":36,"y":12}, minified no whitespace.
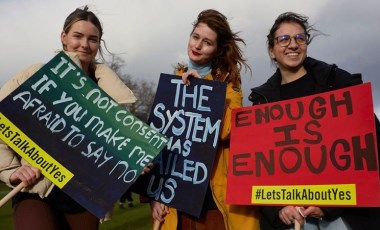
{"x":214,"y":54}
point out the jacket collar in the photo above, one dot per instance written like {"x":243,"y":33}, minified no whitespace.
{"x":270,"y":91}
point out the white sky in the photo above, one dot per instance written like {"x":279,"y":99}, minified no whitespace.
{"x":152,"y":35}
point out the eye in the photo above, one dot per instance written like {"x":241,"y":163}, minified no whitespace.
{"x":95,"y":40}
{"x":208,"y":43}
{"x":283,"y":39}
{"x":300,"y":38}
{"x":195,"y":36}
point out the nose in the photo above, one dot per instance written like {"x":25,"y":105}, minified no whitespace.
{"x":293,"y":43}
{"x":198,"y":45}
{"x":84,"y":43}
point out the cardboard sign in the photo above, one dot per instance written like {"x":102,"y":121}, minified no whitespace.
{"x":314,"y":150}
{"x":61,"y":122}
{"x":190,"y":116}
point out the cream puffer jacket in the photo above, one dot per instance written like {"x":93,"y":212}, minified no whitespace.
{"x":10,"y":161}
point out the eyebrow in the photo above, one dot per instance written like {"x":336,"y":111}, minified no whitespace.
{"x":91,"y":36}
{"x":204,"y":39}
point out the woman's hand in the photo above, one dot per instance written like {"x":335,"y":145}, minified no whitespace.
{"x":147,"y":168}
{"x":186,"y":76}
{"x":26,"y":174}
{"x":314,"y":212}
{"x":159,"y":211}
{"x":290,"y":213}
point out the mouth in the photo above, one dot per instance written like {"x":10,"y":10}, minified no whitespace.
{"x":195,"y":53}
{"x":292,"y":54}
{"x":83,"y":52}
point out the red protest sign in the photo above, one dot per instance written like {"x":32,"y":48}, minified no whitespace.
{"x":315,"y":150}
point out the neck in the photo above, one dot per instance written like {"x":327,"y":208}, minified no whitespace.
{"x":86,"y":68}
{"x":202,"y":69}
{"x":292,"y":75}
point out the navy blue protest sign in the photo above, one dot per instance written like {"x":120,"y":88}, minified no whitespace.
{"x":61,"y":122}
{"x":191,"y":117}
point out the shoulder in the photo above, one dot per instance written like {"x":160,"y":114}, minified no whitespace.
{"x":180,"y":69}
{"x":27,"y":73}
{"x":110,"y":82}
{"x":342,"y":78}
{"x":18,"y":79}
{"x":331,"y":75}
{"x":267,"y":92}
{"x":102,"y":70}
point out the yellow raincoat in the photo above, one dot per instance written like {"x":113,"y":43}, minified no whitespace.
{"x":236,"y":217}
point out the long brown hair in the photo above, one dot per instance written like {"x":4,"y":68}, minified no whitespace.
{"x":229,"y":60}
{"x":84,"y":14}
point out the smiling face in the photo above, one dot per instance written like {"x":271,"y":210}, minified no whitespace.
{"x":202,"y":46}
{"x":83,"y":38}
{"x":290,"y":57}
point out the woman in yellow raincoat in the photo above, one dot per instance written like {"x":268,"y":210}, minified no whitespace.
{"x":214,"y":55}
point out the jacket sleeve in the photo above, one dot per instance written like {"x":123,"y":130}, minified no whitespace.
{"x":344,"y":79}
{"x":9,"y":160}
{"x":269,"y":218}
{"x":234,"y":98}
{"x":377,"y":126}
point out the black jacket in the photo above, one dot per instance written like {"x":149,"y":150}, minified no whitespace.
{"x":326,"y":77}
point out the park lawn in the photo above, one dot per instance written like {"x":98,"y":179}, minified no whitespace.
{"x":5,"y":211}
{"x":136,"y":218}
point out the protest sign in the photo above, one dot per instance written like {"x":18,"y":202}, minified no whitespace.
{"x":61,"y":122}
{"x":315,"y":150}
{"x":190,"y":116}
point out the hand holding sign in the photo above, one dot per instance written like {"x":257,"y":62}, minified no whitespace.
{"x":284,"y":153}
{"x":96,"y":149}
{"x":191,"y":121}
{"x":26,"y":176}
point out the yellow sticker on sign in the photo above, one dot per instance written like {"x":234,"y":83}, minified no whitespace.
{"x":33,"y":154}
{"x":339,"y":194}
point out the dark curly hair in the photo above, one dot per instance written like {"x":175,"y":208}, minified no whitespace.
{"x":291,"y":17}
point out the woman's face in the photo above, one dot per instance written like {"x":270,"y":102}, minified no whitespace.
{"x":289,"y":57}
{"x":202,"y":47}
{"x":82,"y":38}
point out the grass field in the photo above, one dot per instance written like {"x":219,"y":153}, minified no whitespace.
{"x":136,"y":218}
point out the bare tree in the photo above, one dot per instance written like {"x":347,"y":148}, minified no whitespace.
{"x":143,"y":90}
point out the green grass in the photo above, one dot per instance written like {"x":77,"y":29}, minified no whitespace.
{"x":5,"y":210}
{"x":136,"y":218}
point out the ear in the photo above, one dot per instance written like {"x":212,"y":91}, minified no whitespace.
{"x":271,"y":54}
{"x":63,"y":38}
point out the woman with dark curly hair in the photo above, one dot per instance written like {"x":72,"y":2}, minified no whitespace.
{"x":298,"y":75}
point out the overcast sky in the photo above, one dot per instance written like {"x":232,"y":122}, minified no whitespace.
{"x":152,"y":35}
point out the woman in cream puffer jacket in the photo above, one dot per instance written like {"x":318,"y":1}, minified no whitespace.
{"x":107,"y":80}
{"x":41,"y":205}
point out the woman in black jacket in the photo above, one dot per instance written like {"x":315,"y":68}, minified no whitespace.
{"x":298,"y":75}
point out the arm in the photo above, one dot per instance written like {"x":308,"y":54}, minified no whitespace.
{"x":9,"y":163}
{"x":234,"y":98}
{"x":377,"y":126}
{"x":11,"y":171}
